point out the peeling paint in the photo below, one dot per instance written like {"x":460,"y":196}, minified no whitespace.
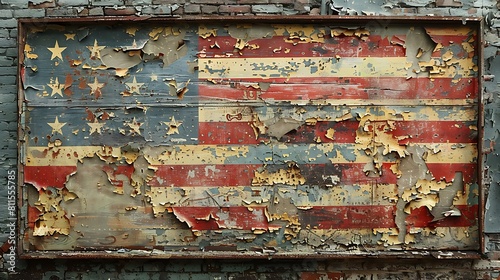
{"x":280,"y":138}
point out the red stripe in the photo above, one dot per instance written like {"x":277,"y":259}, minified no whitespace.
{"x":224,"y":175}
{"x":321,"y":217}
{"x":56,"y":176}
{"x":216,"y":133}
{"x":242,"y":174}
{"x":33,"y":215}
{"x":446,"y":171}
{"x":344,"y":46}
{"x":348,"y":217}
{"x":341,"y":88}
{"x":211,"y":218}
{"x":47,"y":176}
{"x":204,"y":175}
{"x":421,"y":217}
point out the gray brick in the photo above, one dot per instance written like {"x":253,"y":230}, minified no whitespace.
{"x":192,"y":9}
{"x":4,"y":33}
{"x":106,"y":3}
{"x":60,"y":12}
{"x":434,"y":11}
{"x":98,"y":11}
{"x":6,"y":61}
{"x":243,"y":2}
{"x":165,"y":2}
{"x":8,"y":23}
{"x":13,"y":33}
{"x":211,"y":2}
{"x":160,"y":10}
{"x":209,"y":9}
{"x":72,"y":3}
{"x":138,"y":2}
{"x":267,"y":9}
{"x":8,"y":70}
{"x":8,"y":42}
{"x":7,"y":90}
{"x":29,"y":13}
{"x":40,"y":2}
{"x":5,"y":14}
{"x":15,"y":3}
{"x":120,"y":11}
{"x":8,"y":80}
{"x":11,"y":52}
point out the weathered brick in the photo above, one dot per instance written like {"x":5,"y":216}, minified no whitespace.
{"x":11,"y":52}
{"x":120,"y":11}
{"x":12,"y":33}
{"x":106,"y":2}
{"x":97,"y":11}
{"x":6,"y":14}
{"x":8,"y":23}
{"x":8,"y":93}
{"x":283,"y":2}
{"x":8,"y":42}
{"x":82,"y":12}
{"x":398,"y":11}
{"x":192,"y":9}
{"x":302,"y":7}
{"x":6,"y":61}
{"x":209,"y":9}
{"x":72,"y":3}
{"x":428,"y":275}
{"x":235,"y":9}
{"x":179,"y":11}
{"x":138,"y":2}
{"x":166,"y":2}
{"x":160,"y":10}
{"x":4,"y":33}
{"x":315,"y":11}
{"x":434,"y":11}
{"x":15,"y":3}
{"x":29,"y":13}
{"x":62,"y":12}
{"x":7,"y":80}
{"x":267,"y":9}
{"x":246,"y":2}
{"x":448,"y":3}
{"x":42,"y":4}
{"x":213,"y":2}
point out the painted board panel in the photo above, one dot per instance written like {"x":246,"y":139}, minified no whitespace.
{"x":205,"y":138}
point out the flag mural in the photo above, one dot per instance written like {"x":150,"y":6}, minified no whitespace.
{"x":243,"y":138}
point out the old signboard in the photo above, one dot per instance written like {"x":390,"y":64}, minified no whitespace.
{"x":254,"y":138}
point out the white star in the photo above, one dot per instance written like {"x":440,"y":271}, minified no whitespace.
{"x":173,"y":126}
{"x":134,"y":86}
{"x":135,"y":126}
{"x":95,"y":127}
{"x":56,"y":87}
{"x":95,"y":50}
{"x":56,"y":51}
{"x":57,"y":126}
{"x":95,"y":87}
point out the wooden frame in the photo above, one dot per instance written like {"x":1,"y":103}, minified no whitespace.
{"x":230,"y":137}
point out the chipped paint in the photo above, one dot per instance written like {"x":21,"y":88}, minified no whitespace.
{"x":276,"y":138}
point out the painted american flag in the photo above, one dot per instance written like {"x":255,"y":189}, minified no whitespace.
{"x":277,"y":138}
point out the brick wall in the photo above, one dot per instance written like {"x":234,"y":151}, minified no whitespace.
{"x":11,"y":10}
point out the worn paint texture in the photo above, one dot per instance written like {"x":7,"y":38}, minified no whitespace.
{"x":259,"y":139}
